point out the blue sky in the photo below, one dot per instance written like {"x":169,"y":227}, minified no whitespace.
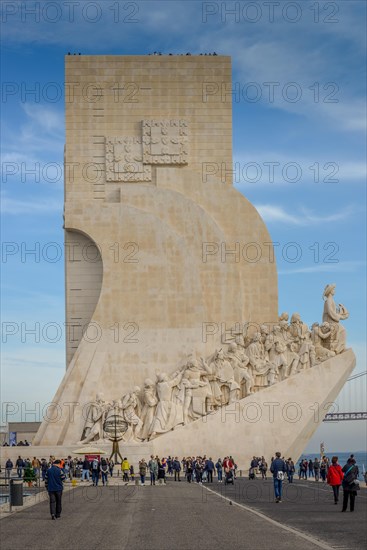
{"x":299,"y":102}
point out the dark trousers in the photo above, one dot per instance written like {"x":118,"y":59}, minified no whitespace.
{"x":210,"y":476}
{"x":346,"y":495}
{"x":55,"y":503}
{"x":336,"y":492}
{"x":177,"y":475}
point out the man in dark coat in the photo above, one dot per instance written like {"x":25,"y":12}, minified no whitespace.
{"x":54,"y":484}
{"x":350,"y":487}
{"x":278,"y":468}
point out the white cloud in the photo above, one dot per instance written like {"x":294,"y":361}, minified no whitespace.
{"x":271,"y":213}
{"x":343,"y":267}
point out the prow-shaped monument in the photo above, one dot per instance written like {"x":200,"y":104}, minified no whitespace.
{"x":171,"y":283}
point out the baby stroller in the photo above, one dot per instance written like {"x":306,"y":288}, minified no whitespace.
{"x":229,"y":477}
{"x":251,"y":473}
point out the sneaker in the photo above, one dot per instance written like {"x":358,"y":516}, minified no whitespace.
{"x":53,"y":517}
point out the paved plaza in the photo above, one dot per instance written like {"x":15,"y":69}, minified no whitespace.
{"x":189,"y":516}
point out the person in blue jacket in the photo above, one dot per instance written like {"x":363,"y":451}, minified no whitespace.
{"x":278,"y":469}
{"x":54,"y":484}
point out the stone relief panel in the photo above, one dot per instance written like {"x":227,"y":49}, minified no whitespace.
{"x":201,"y":386}
{"x":124,"y":160}
{"x":165,"y":141}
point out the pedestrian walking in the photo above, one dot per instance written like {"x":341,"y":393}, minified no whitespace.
{"x":350,"y":484}
{"x":44,"y":468}
{"x":104,"y":471}
{"x":161,"y":471}
{"x":142,"y":471}
{"x":54,"y":485}
{"x":209,"y":467}
{"x":323,"y":470}
{"x":316,"y":469}
{"x":153,"y":469}
{"x":263,"y":467}
{"x":219,"y":468}
{"x":176,"y":466}
{"x":8,"y":468}
{"x":189,"y":470}
{"x":278,"y":469}
{"x":20,"y":466}
{"x":85,"y":470}
{"x":96,"y":468}
{"x":290,"y":469}
{"x":125,"y":467}
{"x":335,"y":477}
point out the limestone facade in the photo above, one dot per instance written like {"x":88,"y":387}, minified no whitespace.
{"x":167,"y":252}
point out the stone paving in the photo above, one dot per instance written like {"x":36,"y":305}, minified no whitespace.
{"x":188,"y":516}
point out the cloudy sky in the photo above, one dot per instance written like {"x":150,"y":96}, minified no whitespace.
{"x":299,"y":152}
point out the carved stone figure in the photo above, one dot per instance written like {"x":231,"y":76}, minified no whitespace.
{"x":262,"y":367}
{"x":319,"y":335}
{"x":198,"y":394}
{"x":169,"y":413}
{"x":150,"y":401}
{"x":333,"y":314}
{"x":130,"y":405}
{"x":280,"y":359}
{"x":292,"y":359}
{"x":93,"y":428}
{"x":213,"y":368}
{"x":242,"y":374}
{"x":298,"y":329}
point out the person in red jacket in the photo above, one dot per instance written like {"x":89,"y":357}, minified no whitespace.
{"x":335,"y":477}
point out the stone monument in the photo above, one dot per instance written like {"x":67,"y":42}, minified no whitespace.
{"x":171,"y":283}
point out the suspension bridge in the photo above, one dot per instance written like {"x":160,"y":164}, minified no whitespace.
{"x":351,"y":402}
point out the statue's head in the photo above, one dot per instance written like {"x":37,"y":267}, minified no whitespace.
{"x":296,"y":318}
{"x":219,"y":354}
{"x":136,"y":389}
{"x":148,"y":383}
{"x":329,"y":290}
{"x":278,"y":346}
{"x":163,"y":377}
{"x":256,"y":337}
{"x":264,"y":329}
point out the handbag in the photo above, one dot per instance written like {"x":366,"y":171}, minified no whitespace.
{"x":356,"y":485}
{"x":280,"y":476}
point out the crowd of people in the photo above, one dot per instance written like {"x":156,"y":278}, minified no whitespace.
{"x":199,"y":469}
{"x":20,"y":444}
